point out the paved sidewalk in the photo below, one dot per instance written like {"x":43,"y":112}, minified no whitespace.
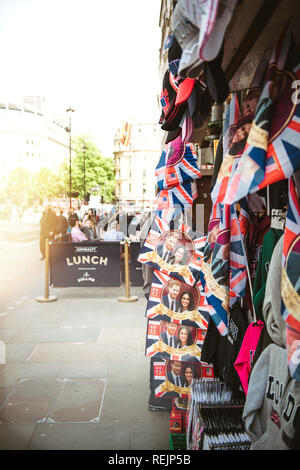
{"x":76,"y":376}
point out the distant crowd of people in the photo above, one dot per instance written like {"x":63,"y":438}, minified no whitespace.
{"x":55,"y":225}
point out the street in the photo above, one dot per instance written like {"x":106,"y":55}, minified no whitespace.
{"x":21,"y":271}
{"x":75,"y":375}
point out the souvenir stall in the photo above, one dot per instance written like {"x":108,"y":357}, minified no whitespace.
{"x":223,"y":314}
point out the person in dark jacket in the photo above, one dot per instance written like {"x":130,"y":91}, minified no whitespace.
{"x":47,"y":228}
{"x":61,"y":223}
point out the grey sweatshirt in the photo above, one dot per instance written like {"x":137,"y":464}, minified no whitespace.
{"x":272,"y":409}
{"x":272,"y":302}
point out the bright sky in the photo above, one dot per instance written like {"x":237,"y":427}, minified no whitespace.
{"x":99,"y":57}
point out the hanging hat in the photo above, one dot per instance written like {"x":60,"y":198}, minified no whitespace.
{"x":171,"y":135}
{"x":185,"y":87}
{"x":210,"y":18}
{"x":174,"y":54}
{"x":203,"y":106}
{"x":172,"y":113}
{"x":215,"y":78}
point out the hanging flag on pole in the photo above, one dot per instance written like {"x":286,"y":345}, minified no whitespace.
{"x":125,"y":133}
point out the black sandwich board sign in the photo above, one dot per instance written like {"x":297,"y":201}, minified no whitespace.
{"x":85,"y":264}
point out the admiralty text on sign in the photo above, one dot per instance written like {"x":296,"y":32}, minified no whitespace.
{"x":85,"y":264}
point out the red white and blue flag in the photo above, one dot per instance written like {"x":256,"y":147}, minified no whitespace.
{"x":272,"y":151}
{"x":290,"y":280}
{"x":177,"y":164}
{"x":180,"y":197}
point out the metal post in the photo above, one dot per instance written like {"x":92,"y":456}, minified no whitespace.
{"x":70,"y":163}
{"x":47,"y":298}
{"x":128,"y":297}
{"x":70,"y":110}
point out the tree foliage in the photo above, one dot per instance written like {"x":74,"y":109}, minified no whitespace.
{"x":26,"y":189}
{"x":99,"y":171}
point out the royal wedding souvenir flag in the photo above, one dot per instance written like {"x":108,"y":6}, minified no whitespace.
{"x":174,"y":301}
{"x":173,"y":249}
{"x":168,"y":340}
{"x":177,"y":164}
{"x":290,"y":278}
{"x":178,"y":197}
{"x":174,"y":378}
{"x":272,"y":151}
{"x":224,"y":268}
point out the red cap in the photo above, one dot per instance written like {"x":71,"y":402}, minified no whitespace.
{"x":185,"y":89}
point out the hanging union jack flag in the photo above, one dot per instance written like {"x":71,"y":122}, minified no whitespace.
{"x":174,"y":301}
{"x":174,"y":249}
{"x":224,"y":269}
{"x":177,"y":164}
{"x":290,"y":280}
{"x":272,"y":151}
{"x":180,"y":197}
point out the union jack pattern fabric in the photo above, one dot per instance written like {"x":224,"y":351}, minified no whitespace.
{"x":225,"y":172}
{"x":272,"y":151}
{"x":224,"y":269}
{"x":195,"y":313}
{"x":180,"y":197}
{"x":174,"y":249}
{"x":290,"y":279}
{"x":157,"y":346}
{"x":177,"y":164}
{"x":164,"y":380}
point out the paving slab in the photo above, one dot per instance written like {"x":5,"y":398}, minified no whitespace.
{"x":11,"y":373}
{"x":29,"y":401}
{"x":19,"y":352}
{"x":55,"y":335}
{"x":7,"y":334}
{"x":81,"y":436}
{"x":83,"y":369}
{"x":154,"y":437}
{"x":14,"y":320}
{"x":16,"y":436}
{"x":80,"y":352}
{"x":133,"y":408}
{"x":86,"y":318}
{"x":4,"y":391}
{"x":79,"y":400}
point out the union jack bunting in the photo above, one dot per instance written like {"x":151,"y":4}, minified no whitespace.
{"x":272,"y":151}
{"x":174,"y":301}
{"x":234,"y":141}
{"x":290,"y":279}
{"x":230,"y":124}
{"x":179,"y":196}
{"x":224,"y":268}
{"x":174,"y":249}
{"x":177,"y":164}
{"x":165,"y":379}
{"x":159,"y":343}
